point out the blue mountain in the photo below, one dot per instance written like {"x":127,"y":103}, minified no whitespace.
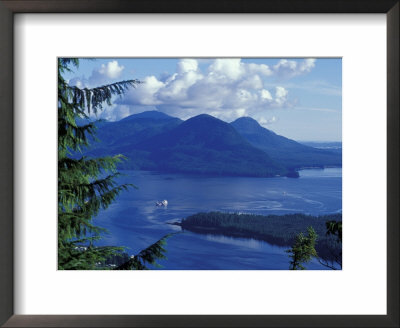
{"x":290,"y":153}
{"x":201,"y":145}
{"x":152,"y":115}
{"x":205,"y":145}
{"x":131,"y":130}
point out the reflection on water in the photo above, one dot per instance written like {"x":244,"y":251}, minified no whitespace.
{"x":134,"y":220}
{"x":243,"y":242}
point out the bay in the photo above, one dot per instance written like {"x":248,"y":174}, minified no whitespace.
{"x":134,"y":220}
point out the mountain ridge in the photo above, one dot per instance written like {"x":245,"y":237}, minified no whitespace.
{"x":291,"y":153}
{"x":204,"y":144}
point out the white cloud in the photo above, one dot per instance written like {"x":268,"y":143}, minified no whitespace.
{"x":241,"y":112}
{"x":267,"y":121}
{"x":146,"y":93}
{"x":286,"y":69}
{"x":260,"y":69}
{"x":187,"y":65}
{"x":112,"y":70}
{"x":251,"y":82}
{"x":281,"y":93}
{"x":114,"y":112}
{"x":227,"y":89}
{"x":265,"y":94}
{"x":177,"y":86}
{"x":231,"y":68}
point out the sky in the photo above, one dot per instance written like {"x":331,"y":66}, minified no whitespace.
{"x":299,"y":98}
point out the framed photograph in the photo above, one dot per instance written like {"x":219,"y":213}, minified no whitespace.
{"x":208,"y":157}
{"x":213,"y":180}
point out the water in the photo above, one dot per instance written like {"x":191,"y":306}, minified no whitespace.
{"x":134,"y":220}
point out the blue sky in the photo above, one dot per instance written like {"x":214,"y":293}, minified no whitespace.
{"x":300,"y":98}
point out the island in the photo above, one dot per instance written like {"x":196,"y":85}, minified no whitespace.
{"x":279,"y":230}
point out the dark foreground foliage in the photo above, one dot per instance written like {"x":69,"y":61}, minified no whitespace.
{"x":87,"y":185}
{"x":147,"y":256}
{"x":303,"y":250}
{"x":123,"y":261}
{"x":280,"y":230}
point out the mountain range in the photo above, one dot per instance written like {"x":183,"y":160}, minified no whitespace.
{"x":204,"y":144}
{"x":290,"y":153}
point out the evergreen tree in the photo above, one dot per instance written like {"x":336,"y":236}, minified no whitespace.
{"x":148,"y":255}
{"x":303,"y":249}
{"x":334,"y":229}
{"x":85,"y":185}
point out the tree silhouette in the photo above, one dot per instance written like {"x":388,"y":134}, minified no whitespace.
{"x":86,"y":185}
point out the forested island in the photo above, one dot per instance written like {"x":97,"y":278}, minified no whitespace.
{"x":278,"y":230}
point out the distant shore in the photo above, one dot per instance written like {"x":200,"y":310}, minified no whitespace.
{"x":278,"y":230}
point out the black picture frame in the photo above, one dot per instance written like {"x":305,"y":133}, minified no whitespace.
{"x":10,"y":7}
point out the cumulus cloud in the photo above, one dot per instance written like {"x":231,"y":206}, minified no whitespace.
{"x":265,"y":94}
{"x":112,"y":70}
{"x":106,"y":72}
{"x":226,"y":69}
{"x":267,"y":121}
{"x":227,"y":89}
{"x":286,"y":69}
{"x":281,"y":95}
{"x":186,"y":65}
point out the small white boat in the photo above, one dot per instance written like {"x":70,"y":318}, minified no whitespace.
{"x":162,"y":203}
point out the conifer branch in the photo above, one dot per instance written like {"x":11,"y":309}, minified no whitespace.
{"x":86,"y":185}
{"x":94,"y":98}
{"x":149,"y":255}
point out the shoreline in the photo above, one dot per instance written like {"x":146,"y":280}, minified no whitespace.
{"x":279,"y":230}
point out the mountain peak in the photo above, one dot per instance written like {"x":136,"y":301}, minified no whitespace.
{"x":204,"y":121}
{"x":281,"y":149}
{"x":247,"y":119}
{"x":203,"y":117}
{"x":152,"y":114}
{"x":206,"y":145}
{"x":247,"y":124}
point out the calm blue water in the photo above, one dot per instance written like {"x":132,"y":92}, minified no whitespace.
{"x":134,"y":220}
